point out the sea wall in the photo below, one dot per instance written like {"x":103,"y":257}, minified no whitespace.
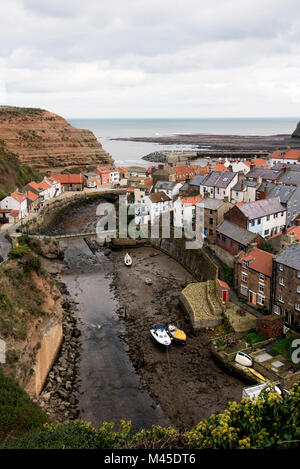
{"x":196,"y":261}
{"x":45,"y":357}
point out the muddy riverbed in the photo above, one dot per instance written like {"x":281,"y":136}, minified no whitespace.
{"x":185,"y":381}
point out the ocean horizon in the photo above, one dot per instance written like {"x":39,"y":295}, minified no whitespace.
{"x":130,"y":153}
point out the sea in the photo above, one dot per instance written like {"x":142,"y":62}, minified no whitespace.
{"x":127,"y":153}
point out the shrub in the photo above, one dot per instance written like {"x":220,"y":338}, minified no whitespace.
{"x":18,"y":252}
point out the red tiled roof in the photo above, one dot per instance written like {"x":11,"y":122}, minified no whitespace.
{"x":148,"y":182}
{"x":292,"y":229}
{"x":20,"y":197}
{"x":259,"y":260}
{"x":69,"y":178}
{"x":220,"y":167}
{"x":190,"y":201}
{"x":31,"y":196}
{"x":34,"y":186}
{"x":259,"y":162}
{"x":223,"y":284}
{"x":291,"y":154}
{"x":44,"y":185}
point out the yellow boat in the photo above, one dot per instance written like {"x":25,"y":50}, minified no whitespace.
{"x":177,"y":335}
{"x":255,"y":373}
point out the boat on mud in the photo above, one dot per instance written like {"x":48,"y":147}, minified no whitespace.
{"x":177,"y":335}
{"x":160,"y":336}
{"x":243,"y":359}
{"x":127,"y":260}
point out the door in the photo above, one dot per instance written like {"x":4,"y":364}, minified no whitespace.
{"x":252,"y":297}
{"x":224,"y":295}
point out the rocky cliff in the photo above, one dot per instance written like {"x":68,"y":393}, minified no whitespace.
{"x":48,"y":142}
{"x":296,"y":133}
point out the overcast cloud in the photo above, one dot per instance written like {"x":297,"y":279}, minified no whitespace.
{"x":150,"y":58}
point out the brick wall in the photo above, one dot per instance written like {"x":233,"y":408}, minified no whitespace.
{"x":236,"y":217}
{"x":270,"y":326}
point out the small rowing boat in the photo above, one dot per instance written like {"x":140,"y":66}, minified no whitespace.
{"x":256,"y":374}
{"x":127,"y":260}
{"x":177,"y":335}
{"x":160,"y":336}
{"x":243,"y":359}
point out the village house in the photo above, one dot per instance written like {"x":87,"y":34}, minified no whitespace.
{"x":289,"y":198}
{"x":32,"y":201}
{"x":70,"y":182}
{"x":41,"y":189}
{"x":289,"y":157}
{"x":152,"y":206}
{"x":253,"y":277}
{"x":243,"y":191}
{"x":108,"y":174}
{"x":264,"y":217}
{"x":92,"y":179}
{"x":263,"y":174}
{"x":219,"y":185}
{"x":290,"y":175}
{"x":17,"y":201}
{"x":238,"y":166}
{"x":184,"y":210}
{"x":163,"y":173}
{"x":214,"y":210}
{"x":285,"y":237}
{"x":232,"y":239}
{"x":286,"y":285}
{"x":171,"y":189}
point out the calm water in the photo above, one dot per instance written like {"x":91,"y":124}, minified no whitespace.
{"x":110,"y":389}
{"x":130,"y":153}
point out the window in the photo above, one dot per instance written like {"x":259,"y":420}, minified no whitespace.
{"x":297,"y":306}
{"x":281,"y":281}
{"x":268,"y":217}
{"x":277,"y":309}
{"x":211,"y":232}
{"x":298,"y":288}
{"x":261,"y":277}
{"x":252,"y":222}
{"x":261,"y":287}
{"x":244,"y":290}
{"x":281,"y":299}
{"x":260,"y":299}
{"x":232,"y":244}
{"x":224,"y":239}
{"x":275,"y":215}
{"x":245,"y":264}
{"x":298,"y":274}
{"x":280,"y":267}
{"x":267,"y":232}
{"x":244,"y":277}
{"x":259,"y":221}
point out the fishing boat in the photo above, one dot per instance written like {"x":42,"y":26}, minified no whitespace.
{"x":256,"y":374}
{"x":177,"y":335}
{"x":127,"y":260}
{"x":243,"y":359}
{"x":160,"y":336}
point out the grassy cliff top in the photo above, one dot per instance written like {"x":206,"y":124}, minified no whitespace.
{"x":10,"y":112}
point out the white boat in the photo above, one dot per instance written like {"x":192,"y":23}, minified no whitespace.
{"x":177,"y":335}
{"x":160,"y":336}
{"x":243,"y":359}
{"x":127,"y":260}
{"x":254,"y":391}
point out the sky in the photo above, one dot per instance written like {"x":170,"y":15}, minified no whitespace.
{"x":152,"y":58}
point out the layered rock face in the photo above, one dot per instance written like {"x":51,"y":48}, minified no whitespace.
{"x":47,"y":141}
{"x":296,"y":133}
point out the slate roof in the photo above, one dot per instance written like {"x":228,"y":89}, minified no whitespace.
{"x":271,"y":174}
{"x":197,"y":180}
{"x":225,"y":179}
{"x":261,"y":208}
{"x":290,"y":256}
{"x":291,"y":176}
{"x":211,"y":203}
{"x":165,"y":185}
{"x":236,"y":233}
{"x":283,"y":192}
{"x":156,"y":197}
{"x":238,"y":186}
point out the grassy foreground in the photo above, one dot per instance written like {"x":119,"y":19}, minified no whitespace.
{"x":268,"y":422}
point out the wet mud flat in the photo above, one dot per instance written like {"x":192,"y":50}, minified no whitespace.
{"x":185,"y":381}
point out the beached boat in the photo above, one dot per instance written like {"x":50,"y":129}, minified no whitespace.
{"x":177,"y":335}
{"x":127,"y":260}
{"x":257,"y":374}
{"x":160,"y":336}
{"x":243,"y":359}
